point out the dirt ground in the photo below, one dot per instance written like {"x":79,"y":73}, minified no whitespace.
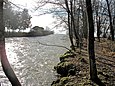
{"x":105,"y":62}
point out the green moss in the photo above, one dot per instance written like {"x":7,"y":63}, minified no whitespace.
{"x":64,"y":80}
{"x":81,"y":59}
{"x":61,"y":82}
{"x":66,"y":55}
{"x":65,"y":68}
{"x":86,"y":82}
{"x":70,"y":84}
{"x":55,"y":83}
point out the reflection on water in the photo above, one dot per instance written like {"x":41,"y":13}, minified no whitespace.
{"x":32,"y":62}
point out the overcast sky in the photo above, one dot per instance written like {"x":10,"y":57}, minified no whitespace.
{"x":43,"y":21}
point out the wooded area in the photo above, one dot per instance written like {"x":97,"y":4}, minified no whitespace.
{"x":89,"y":20}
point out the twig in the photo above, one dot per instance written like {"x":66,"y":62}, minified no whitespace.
{"x":57,"y":46}
{"x":54,"y":45}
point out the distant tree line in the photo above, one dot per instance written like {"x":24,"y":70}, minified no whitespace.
{"x":15,"y":18}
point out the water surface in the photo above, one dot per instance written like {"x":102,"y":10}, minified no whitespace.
{"x":32,"y":62}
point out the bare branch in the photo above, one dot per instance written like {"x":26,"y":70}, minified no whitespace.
{"x":54,"y":45}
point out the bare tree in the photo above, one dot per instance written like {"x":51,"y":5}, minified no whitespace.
{"x":93,"y":69}
{"x":4,"y":61}
{"x":110,"y":20}
{"x":91,"y":51}
{"x":69,"y":25}
{"x":84,"y":17}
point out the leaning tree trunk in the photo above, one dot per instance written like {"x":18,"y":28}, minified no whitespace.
{"x":93,"y":69}
{"x":4,"y":61}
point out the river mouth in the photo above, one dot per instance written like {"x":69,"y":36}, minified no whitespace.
{"x":32,"y":62}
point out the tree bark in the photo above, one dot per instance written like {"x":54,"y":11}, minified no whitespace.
{"x":73,"y":24}
{"x":85,"y":29}
{"x":110,"y":20}
{"x":98,"y":28}
{"x":69,"y":26}
{"x":93,"y":69}
{"x":4,"y":61}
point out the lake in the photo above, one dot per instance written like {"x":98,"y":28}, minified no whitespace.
{"x":33,"y":62}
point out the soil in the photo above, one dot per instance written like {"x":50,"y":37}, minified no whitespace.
{"x":105,"y":62}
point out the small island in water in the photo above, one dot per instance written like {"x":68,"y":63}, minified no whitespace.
{"x":35,"y":31}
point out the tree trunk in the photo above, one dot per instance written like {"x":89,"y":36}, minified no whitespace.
{"x":4,"y":61}
{"x":110,"y":20}
{"x":73,"y":24}
{"x":85,"y":29}
{"x":93,"y":69}
{"x":70,"y":33}
{"x":69,"y":26}
{"x":114,"y":18}
{"x":98,"y":28}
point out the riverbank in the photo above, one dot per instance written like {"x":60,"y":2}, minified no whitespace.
{"x":73,"y":69}
{"x":28,"y":34}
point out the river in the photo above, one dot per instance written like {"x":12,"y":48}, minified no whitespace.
{"x":33,"y":62}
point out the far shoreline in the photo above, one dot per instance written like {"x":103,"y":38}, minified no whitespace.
{"x":27,"y":34}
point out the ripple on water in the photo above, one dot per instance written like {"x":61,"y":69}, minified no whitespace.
{"x":33,"y":62}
